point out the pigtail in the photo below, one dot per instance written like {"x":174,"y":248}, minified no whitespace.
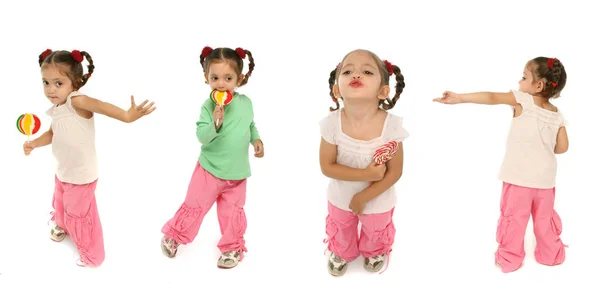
{"x":90,"y":67}
{"x":332,"y":76}
{"x":250,"y":65}
{"x":388,"y":103}
{"x":557,"y":78}
{"x":205,"y":52}
{"x":44,"y":55}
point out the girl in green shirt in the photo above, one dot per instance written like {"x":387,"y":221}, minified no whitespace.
{"x":225,"y":133}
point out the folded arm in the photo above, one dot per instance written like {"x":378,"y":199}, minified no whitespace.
{"x":206,"y":130}
{"x":392,"y":175}
{"x":331,"y":169}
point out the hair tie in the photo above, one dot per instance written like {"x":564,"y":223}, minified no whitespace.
{"x":389,"y":66}
{"x":550,"y":62}
{"x":46,"y":53}
{"x":205,"y":51}
{"x":241,"y":52}
{"x":76,"y":54}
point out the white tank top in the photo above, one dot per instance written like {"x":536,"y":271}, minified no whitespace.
{"x":73,"y":144}
{"x":530,"y":160}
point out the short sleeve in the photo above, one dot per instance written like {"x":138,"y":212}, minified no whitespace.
{"x":395,"y":131}
{"x":522,"y":98}
{"x":328,"y":127}
{"x":563,"y":120}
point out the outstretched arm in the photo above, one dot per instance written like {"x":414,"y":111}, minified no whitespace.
{"x":562,"y":141}
{"x":487,"y":98}
{"x":97,"y":106}
{"x":331,"y":169}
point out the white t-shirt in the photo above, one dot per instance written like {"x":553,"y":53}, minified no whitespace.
{"x":359,"y":154}
{"x":73,"y":144}
{"x":530,"y":160}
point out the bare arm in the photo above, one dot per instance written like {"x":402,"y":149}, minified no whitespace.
{"x":392,"y":175}
{"x":562,"y":141}
{"x":96,"y":106}
{"x":488,"y":98}
{"x":331,"y":169}
{"x":44,"y":140}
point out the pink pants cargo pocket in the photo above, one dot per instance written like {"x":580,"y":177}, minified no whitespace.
{"x":331,"y":230}
{"x":385,"y":237}
{"x":556,"y":223}
{"x":504,"y":233}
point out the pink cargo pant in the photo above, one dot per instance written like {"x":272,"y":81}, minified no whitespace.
{"x":376,"y":236}
{"x":204,"y":189}
{"x":75,"y":211}
{"x":517,"y":204}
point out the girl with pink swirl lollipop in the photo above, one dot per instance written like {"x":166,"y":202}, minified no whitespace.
{"x":360,"y":189}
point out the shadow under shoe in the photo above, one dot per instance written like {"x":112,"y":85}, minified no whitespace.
{"x":336,"y":265}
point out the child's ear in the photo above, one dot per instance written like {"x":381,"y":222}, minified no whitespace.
{"x":539,"y":86}
{"x":240,"y":79}
{"x":205,"y":78}
{"x":384,"y":92}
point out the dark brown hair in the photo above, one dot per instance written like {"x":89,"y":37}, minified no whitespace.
{"x":230,"y":55}
{"x":67,"y":64}
{"x":552,"y":72}
{"x":387,"y":103}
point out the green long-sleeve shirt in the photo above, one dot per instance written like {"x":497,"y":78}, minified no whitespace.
{"x":225,"y":153}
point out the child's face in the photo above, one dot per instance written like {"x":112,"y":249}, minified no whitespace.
{"x":528,"y":84}
{"x":221,"y":76}
{"x":57,"y":86}
{"x":360,"y":78}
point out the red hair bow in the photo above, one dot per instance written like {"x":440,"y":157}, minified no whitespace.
{"x":205,"y":51}
{"x":77,"y":56}
{"x":389,"y":66}
{"x":46,"y":53}
{"x":550,"y":62}
{"x":241,"y":52}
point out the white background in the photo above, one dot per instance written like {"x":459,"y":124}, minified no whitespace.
{"x":448,"y":197}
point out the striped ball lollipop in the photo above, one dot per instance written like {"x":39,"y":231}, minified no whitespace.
{"x":385,"y":152}
{"x":221,"y":98}
{"x":28,"y":124}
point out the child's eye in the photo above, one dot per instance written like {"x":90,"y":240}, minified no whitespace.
{"x":229,"y":78}
{"x":368,"y":72}
{"x":58,"y":83}
{"x":346,"y":72}
{"x":45,"y":82}
{"x":214,"y":78}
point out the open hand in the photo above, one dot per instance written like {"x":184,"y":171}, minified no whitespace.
{"x":28,"y":146}
{"x":357,"y":204}
{"x":259,"y":150}
{"x":448,"y":97}
{"x":137,"y":111}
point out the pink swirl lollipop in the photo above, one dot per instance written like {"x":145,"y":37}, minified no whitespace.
{"x":385,"y":152}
